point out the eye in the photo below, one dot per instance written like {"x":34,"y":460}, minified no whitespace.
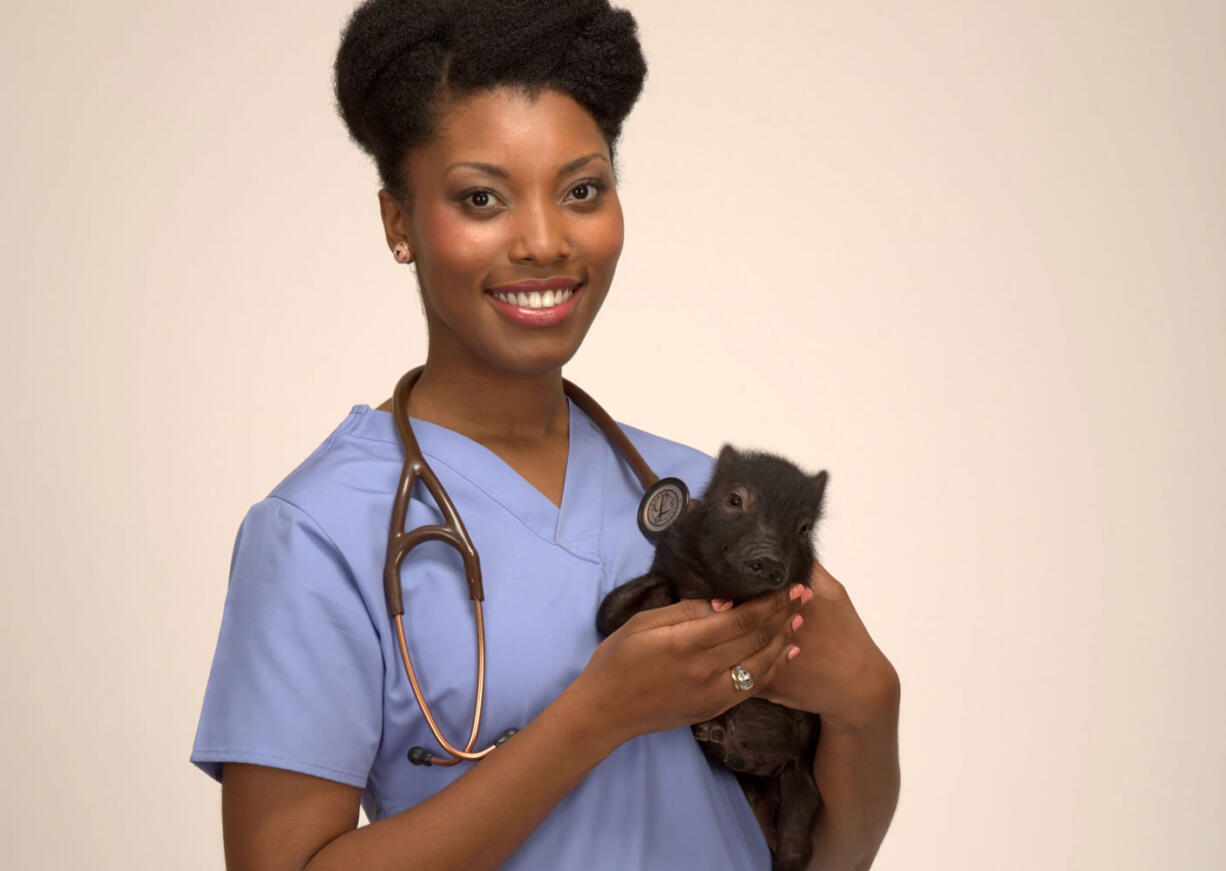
{"x":734,"y":499}
{"x":479,"y":199}
{"x":804,"y":528}
{"x":591,"y":190}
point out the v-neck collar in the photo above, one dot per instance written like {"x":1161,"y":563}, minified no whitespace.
{"x":574,"y":526}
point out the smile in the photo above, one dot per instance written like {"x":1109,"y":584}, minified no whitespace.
{"x":535,"y":299}
{"x":536,"y":308}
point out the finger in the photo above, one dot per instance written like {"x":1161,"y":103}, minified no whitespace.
{"x":770,"y":636}
{"x":679,"y":612}
{"x":764,"y":664}
{"x":759,"y":618}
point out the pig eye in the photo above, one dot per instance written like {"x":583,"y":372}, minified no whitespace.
{"x":734,"y":499}
{"x":804,"y":529}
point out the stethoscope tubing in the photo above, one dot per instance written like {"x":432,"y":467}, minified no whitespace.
{"x":456,"y":755}
{"x":400,"y":541}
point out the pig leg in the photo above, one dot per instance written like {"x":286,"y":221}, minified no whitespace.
{"x":798,"y":805}
{"x":755,"y":737}
{"x":763,"y":796}
{"x":641,"y":594}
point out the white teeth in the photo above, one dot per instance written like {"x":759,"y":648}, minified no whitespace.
{"x":536,"y":299}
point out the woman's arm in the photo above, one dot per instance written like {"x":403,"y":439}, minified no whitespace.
{"x":843,"y":676}
{"x":663,"y":669}
{"x":480,"y":819}
{"x":278,"y":819}
{"x":857,"y":774}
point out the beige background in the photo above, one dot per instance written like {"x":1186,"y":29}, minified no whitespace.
{"x":967,"y":256}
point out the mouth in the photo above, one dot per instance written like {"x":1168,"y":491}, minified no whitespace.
{"x":536,"y":308}
{"x":535,"y":298}
{"x":751,"y":588}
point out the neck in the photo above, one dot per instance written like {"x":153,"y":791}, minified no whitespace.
{"x":490,"y":404}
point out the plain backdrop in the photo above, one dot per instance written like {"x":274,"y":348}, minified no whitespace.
{"x":968,"y":257}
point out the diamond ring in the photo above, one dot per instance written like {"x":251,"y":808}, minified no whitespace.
{"x":741,"y":678}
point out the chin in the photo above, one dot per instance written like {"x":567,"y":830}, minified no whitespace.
{"x":523,"y":362}
{"x":741,"y":590}
{"x":538,"y":354}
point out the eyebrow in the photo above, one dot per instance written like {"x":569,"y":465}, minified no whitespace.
{"x":500,"y":172}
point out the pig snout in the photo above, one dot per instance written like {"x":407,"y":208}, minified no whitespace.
{"x":760,"y":561}
{"x":767,"y":568}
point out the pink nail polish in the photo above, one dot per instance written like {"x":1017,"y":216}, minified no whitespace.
{"x":806,"y":596}
{"x":796,"y":592}
{"x":792,"y":653}
{"x":796,"y":621}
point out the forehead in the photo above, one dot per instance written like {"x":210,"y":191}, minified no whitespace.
{"x":507,"y":127}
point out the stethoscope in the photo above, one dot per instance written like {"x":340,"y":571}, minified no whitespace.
{"x":664,"y":500}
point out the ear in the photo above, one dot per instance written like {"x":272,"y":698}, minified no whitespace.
{"x":396,"y":223}
{"x":728,"y":457}
{"x":819,"y":484}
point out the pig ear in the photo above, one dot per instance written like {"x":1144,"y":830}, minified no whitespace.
{"x":819,"y":484}
{"x":727,"y":457}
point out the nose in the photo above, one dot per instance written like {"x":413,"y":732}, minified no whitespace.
{"x":540,"y":234}
{"x":767,"y":568}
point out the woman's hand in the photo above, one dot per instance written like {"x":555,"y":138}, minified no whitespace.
{"x":669,"y":667}
{"x":839,"y":673}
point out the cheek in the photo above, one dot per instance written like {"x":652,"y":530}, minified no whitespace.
{"x":456,"y":248}
{"x":616,"y":237}
{"x":602,"y":239}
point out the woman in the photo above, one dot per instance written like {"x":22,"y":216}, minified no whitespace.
{"x":493,"y":126}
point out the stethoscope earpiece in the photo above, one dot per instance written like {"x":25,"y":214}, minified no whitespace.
{"x":422,"y":756}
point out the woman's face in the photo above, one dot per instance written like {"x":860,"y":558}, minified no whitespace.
{"x":511,"y":192}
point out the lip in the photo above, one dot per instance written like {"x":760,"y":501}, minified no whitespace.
{"x":560,"y":283}
{"x":535,"y":317}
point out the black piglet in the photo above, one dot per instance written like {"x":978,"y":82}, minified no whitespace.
{"x":751,"y":533}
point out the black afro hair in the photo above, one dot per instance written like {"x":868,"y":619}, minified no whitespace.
{"x":400,"y":60}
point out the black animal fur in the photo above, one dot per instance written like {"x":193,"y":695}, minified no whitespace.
{"x":750,"y":534}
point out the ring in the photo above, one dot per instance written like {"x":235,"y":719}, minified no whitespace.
{"x":741,"y":678}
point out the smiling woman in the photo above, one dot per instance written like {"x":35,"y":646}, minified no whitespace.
{"x":494,"y":126}
{"x":514,"y":195}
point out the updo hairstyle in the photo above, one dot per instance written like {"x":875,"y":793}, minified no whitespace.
{"x":400,"y":63}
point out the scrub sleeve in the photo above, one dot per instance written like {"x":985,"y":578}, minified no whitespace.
{"x":306,"y":685}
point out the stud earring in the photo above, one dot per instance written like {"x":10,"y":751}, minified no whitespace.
{"x":401,"y":253}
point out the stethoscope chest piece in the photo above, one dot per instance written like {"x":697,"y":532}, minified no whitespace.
{"x":665,"y":501}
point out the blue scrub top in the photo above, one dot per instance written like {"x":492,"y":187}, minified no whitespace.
{"x":307,"y":673}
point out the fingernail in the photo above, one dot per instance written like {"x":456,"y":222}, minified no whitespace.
{"x":796,"y":621}
{"x":721,"y":604}
{"x":806,"y":597}
{"x":792,"y":653}
{"x":796,"y":591}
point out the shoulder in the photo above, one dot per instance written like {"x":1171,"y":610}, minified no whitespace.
{"x":354,"y":463}
{"x":672,"y":458}
{"x":354,"y":458}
